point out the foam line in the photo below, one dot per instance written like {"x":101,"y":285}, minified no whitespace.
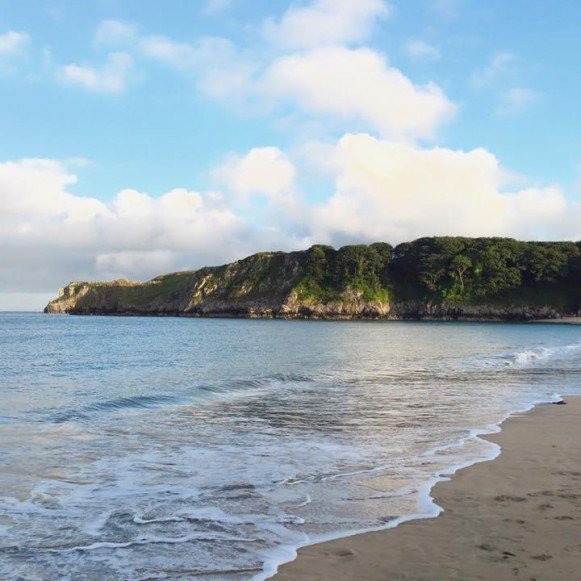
{"x":426,"y":503}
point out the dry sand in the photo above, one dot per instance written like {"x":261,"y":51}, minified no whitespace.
{"x":517,"y":517}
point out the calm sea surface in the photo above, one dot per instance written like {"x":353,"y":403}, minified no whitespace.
{"x":135,"y":448}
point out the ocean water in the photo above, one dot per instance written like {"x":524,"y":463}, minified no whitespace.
{"x":136,"y":448}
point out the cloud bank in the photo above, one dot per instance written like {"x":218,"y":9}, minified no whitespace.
{"x":374,"y":175}
{"x":380,"y":190}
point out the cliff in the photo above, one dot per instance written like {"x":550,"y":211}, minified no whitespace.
{"x":431,"y":278}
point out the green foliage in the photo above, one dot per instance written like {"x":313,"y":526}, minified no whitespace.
{"x":358,"y":270}
{"x":450,"y":270}
{"x":476,"y":270}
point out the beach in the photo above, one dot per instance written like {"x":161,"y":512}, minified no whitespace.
{"x":516,"y":517}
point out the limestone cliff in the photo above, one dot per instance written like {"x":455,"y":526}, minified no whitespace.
{"x":441,"y":282}
{"x":263,"y":285}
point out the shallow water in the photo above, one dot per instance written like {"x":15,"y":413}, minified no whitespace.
{"x":135,"y":448}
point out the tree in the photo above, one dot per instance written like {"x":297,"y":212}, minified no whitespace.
{"x":460,"y":266}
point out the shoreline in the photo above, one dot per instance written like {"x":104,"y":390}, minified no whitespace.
{"x":472,"y":505}
{"x":562,"y":321}
{"x":565,"y":320}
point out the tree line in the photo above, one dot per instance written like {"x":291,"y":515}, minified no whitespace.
{"x":448,"y":269}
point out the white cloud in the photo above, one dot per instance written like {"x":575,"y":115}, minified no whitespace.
{"x":49,"y":236}
{"x":114,"y":32}
{"x":380,"y":191}
{"x":398,"y":192}
{"x":263,"y":170}
{"x":112,"y":77}
{"x":543,"y":213}
{"x":38,"y":187}
{"x":221,"y":71}
{"x":13,"y":42}
{"x":359,"y":85}
{"x":421,"y":50}
{"x":516,"y":100}
{"x":323,"y":22}
{"x":345,"y":88}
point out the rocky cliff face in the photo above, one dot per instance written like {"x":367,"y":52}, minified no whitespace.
{"x":264,"y":285}
{"x":358,"y":282}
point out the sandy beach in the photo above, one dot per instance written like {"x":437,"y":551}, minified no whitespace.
{"x":517,"y":517}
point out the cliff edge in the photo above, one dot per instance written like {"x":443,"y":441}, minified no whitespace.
{"x":431,"y":278}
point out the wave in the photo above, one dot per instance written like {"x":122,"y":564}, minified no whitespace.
{"x":542,"y":353}
{"x":114,"y":405}
{"x":199,"y":394}
{"x":426,"y":505}
{"x":528,"y":357}
{"x":136,"y":402}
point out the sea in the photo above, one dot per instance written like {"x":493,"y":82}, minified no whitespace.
{"x":183,"y":448}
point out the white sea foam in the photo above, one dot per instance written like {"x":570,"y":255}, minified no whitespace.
{"x":541,"y":353}
{"x":426,"y":505}
{"x":152,"y":540}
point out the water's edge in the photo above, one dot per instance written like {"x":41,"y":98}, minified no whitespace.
{"x":426,"y":314}
{"x":430,"y":509}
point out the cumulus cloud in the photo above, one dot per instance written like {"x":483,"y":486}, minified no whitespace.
{"x":263,"y":170}
{"x":38,"y":187}
{"x":379,"y":191}
{"x":359,"y":85}
{"x":13,"y":42}
{"x":112,"y":77}
{"x":397,"y":192}
{"x":543,"y":213}
{"x":49,"y":236}
{"x":323,"y":22}
{"x":348,"y":88}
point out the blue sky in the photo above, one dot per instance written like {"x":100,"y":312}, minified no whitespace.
{"x":277,"y":124}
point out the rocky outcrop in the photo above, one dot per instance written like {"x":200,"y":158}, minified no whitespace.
{"x":417,"y":310}
{"x":358,"y":282}
{"x":152,"y":298}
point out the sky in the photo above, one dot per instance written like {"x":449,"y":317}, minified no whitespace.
{"x":140,"y":137}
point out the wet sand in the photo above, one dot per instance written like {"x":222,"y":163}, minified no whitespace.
{"x":516,"y":517}
{"x":562,"y":321}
